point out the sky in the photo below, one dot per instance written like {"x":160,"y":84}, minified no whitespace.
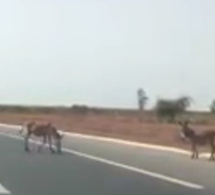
{"x":99,"y":52}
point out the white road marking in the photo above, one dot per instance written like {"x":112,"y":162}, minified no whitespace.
{"x":3,"y":190}
{"x":116,"y":164}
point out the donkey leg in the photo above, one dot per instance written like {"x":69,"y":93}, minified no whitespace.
{"x":42,"y":144}
{"x":193,"y":151}
{"x":212,"y":154}
{"x":213,"y":150}
{"x":50,"y":144}
{"x":211,"y":158}
{"x":196,"y":151}
{"x":193,"y":155}
{"x":27,"y":136}
{"x":59,"y":146}
{"x":197,"y":154}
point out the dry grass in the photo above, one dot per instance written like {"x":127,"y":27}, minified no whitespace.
{"x":117,"y":126}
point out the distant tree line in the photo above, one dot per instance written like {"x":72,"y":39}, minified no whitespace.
{"x":167,"y":109}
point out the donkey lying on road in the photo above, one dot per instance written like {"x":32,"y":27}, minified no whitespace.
{"x":203,"y":138}
{"x":46,"y":131}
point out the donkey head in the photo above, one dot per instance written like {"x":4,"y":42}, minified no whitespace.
{"x":26,"y":127}
{"x":184,"y":124}
{"x":186,"y":131}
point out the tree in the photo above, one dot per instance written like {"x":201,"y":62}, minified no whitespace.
{"x":212,"y":106}
{"x":170,"y":108}
{"x":80,"y":109}
{"x":142,"y":100}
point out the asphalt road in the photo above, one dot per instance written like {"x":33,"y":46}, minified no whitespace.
{"x":99,"y":168}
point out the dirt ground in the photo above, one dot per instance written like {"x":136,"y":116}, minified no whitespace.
{"x":127,"y":127}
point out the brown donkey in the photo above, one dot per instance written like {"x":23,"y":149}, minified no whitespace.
{"x":201,"y":139}
{"x":46,"y":131}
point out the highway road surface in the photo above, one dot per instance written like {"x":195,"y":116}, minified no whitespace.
{"x":89,"y":167}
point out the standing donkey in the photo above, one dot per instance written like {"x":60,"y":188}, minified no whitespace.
{"x":203,"y":138}
{"x":47,"y":131}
